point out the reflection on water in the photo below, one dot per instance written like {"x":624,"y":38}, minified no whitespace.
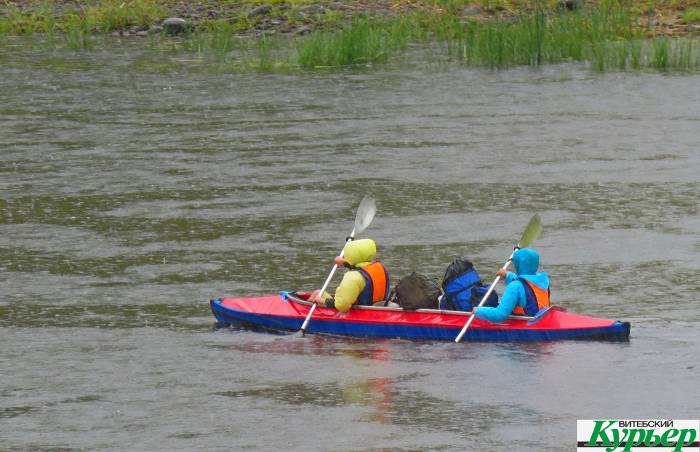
{"x":129,"y":200}
{"x":378,"y":350}
{"x":387,"y":404}
{"x":314,"y":345}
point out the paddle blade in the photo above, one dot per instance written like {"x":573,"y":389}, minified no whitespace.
{"x":365,"y":214}
{"x":532,"y":231}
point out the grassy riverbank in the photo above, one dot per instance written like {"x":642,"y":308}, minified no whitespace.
{"x":300,"y":34}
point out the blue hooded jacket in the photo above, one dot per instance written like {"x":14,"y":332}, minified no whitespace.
{"x":526,"y":262}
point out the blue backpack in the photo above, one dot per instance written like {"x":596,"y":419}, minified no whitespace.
{"x":462,"y":288}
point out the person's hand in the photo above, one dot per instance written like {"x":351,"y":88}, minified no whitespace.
{"x":502,"y":273}
{"x":318,"y":298}
{"x":339,"y":261}
{"x":315,"y":297}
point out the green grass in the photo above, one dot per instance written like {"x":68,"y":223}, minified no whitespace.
{"x":100,"y":16}
{"x":692,"y":16}
{"x":604,"y":39}
{"x":113,"y":15}
{"x":607,"y":36}
{"x":265,"y":61}
{"x":78,"y":34}
{"x":363,"y":41}
{"x":17,"y":22}
{"x":659,"y":54}
{"x":218,"y":38}
{"x":548,"y":37}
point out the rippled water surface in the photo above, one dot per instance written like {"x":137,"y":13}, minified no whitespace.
{"x":131,"y":195}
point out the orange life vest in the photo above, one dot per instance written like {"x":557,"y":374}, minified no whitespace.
{"x":535,"y":298}
{"x":376,"y":283}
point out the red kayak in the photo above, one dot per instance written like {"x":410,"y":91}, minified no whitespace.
{"x":287,"y":311}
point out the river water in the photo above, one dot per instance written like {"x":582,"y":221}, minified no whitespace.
{"x":131,"y":194}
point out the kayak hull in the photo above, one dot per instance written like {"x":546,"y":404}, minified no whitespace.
{"x":286,"y":312}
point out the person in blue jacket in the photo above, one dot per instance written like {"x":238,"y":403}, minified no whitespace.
{"x":527,"y":291}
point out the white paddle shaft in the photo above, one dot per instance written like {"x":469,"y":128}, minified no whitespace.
{"x":483,"y":300}
{"x":325,"y":285}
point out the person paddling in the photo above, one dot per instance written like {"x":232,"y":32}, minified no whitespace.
{"x":526,"y":292}
{"x":366,"y":283}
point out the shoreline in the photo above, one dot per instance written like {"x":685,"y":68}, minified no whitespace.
{"x":299,"y":35}
{"x":140,"y":18}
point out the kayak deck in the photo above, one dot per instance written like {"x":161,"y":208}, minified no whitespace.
{"x":287,"y":311}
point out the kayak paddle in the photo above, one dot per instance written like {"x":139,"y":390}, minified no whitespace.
{"x":532,"y":230}
{"x":363,"y":217}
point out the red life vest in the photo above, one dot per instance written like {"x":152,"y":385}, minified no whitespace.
{"x":536,"y":298}
{"x":376,"y":283}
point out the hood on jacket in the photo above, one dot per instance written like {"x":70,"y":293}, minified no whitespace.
{"x":526,"y":262}
{"x":360,"y":252}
